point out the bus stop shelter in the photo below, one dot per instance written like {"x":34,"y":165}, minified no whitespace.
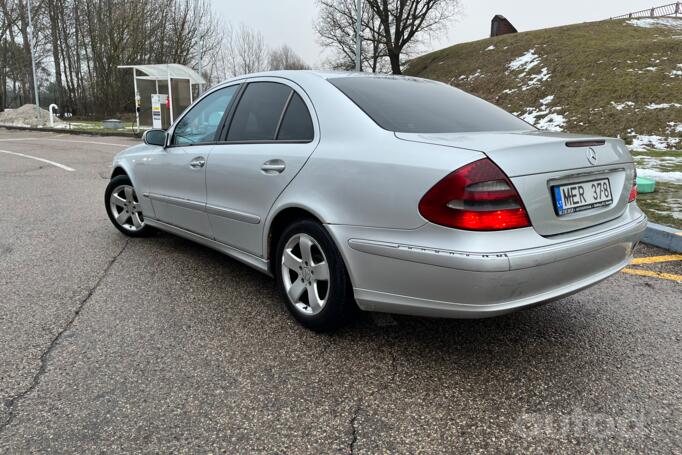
{"x":181,"y":83}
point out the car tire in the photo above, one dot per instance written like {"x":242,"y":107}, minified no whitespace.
{"x":322,"y":302}
{"x":124,"y":209}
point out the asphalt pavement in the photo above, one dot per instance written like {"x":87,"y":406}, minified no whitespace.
{"x":158,"y":345}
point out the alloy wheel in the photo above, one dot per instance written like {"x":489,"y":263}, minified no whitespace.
{"x":305,"y":272}
{"x":126,"y":209}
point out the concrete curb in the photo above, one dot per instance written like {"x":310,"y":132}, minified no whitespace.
{"x":663,"y":237}
{"x":77,"y":132}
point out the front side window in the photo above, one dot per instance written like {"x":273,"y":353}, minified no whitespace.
{"x":259,"y":111}
{"x":201,"y":123}
{"x":409,"y":105}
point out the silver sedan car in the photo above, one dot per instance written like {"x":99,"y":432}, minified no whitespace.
{"x":391,"y":194}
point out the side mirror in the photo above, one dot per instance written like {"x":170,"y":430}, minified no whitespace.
{"x":155,"y":137}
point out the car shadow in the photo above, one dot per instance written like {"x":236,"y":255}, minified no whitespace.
{"x":546,"y":334}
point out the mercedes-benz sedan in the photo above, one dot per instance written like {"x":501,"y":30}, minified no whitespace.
{"x":391,"y":194}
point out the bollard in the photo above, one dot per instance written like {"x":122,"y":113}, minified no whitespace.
{"x":52,"y":114}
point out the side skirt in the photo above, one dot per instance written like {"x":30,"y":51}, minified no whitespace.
{"x":257,"y":263}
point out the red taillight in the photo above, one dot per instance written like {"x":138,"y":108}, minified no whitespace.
{"x":476,"y":197}
{"x":633,"y":190}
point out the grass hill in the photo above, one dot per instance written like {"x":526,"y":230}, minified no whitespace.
{"x":619,"y":78}
{"x":615,"y":78}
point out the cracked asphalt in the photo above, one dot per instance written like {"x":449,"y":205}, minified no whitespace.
{"x":158,"y":345}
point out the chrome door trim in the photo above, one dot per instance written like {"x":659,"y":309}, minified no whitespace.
{"x":232,"y":214}
{"x":185,"y":203}
{"x":258,"y":263}
{"x":477,"y":262}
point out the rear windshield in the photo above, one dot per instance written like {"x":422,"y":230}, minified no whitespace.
{"x":421,"y":106}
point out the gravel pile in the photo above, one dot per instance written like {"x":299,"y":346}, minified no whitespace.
{"x":26,"y":116}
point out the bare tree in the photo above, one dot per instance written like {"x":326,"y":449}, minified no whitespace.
{"x":4,"y":54}
{"x":335,"y":27}
{"x":249,"y":51}
{"x":285,"y":58}
{"x":79,"y":44}
{"x":404,"y":22}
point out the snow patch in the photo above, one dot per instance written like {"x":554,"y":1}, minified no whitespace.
{"x":552,"y":122}
{"x":675,"y":127}
{"x":654,"y":106}
{"x":537,"y":79}
{"x":672,"y":177}
{"x":675,"y":207}
{"x":659,"y":168}
{"x":664,"y":163}
{"x":525,"y":62}
{"x":490,"y":48}
{"x":621,"y":106}
{"x":465,"y":78}
{"x":644,"y":142}
{"x":27,"y":116}
{"x":543,"y":117}
{"x":661,"y":22}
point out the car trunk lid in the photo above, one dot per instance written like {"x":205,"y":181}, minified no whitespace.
{"x":537,"y":162}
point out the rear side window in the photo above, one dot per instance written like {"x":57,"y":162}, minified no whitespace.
{"x":296,"y":123}
{"x":408,"y":105}
{"x":259,"y":111}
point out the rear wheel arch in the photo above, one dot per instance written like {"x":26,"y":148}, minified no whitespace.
{"x":280,"y":222}
{"x":286,"y":217}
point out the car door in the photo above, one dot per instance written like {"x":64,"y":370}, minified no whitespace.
{"x":270,"y":135}
{"x":177,"y":173}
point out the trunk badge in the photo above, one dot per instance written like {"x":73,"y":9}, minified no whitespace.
{"x":591,"y":156}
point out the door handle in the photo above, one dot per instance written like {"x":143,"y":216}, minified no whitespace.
{"x":197,"y":162}
{"x":273,"y":167}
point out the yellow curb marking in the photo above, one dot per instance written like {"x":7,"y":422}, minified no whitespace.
{"x":665,"y":276}
{"x":656,"y":259}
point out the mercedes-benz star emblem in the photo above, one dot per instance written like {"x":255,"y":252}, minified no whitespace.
{"x":592,"y":156}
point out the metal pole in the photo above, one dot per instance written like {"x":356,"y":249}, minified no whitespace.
{"x":137,"y":100}
{"x":358,"y":42}
{"x":170,"y":98}
{"x":33,"y":60}
{"x":201,"y":68}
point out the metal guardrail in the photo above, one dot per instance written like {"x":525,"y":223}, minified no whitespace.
{"x":673,"y":9}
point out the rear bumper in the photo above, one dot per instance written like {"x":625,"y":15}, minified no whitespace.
{"x":427,"y":271}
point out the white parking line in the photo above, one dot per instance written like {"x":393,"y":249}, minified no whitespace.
{"x":61,"y":166}
{"x":63,"y":140}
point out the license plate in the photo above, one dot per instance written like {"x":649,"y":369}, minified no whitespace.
{"x":576,"y":197}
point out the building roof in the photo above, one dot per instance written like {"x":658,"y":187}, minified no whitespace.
{"x":164,"y":71}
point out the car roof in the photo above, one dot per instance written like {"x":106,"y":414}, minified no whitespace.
{"x":296,"y":75}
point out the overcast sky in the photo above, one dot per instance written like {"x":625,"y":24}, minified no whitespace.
{"x":291,"y":21}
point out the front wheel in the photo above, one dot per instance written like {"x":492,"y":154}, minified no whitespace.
{"x":123,"y":207}
{"x":312,"y":277}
